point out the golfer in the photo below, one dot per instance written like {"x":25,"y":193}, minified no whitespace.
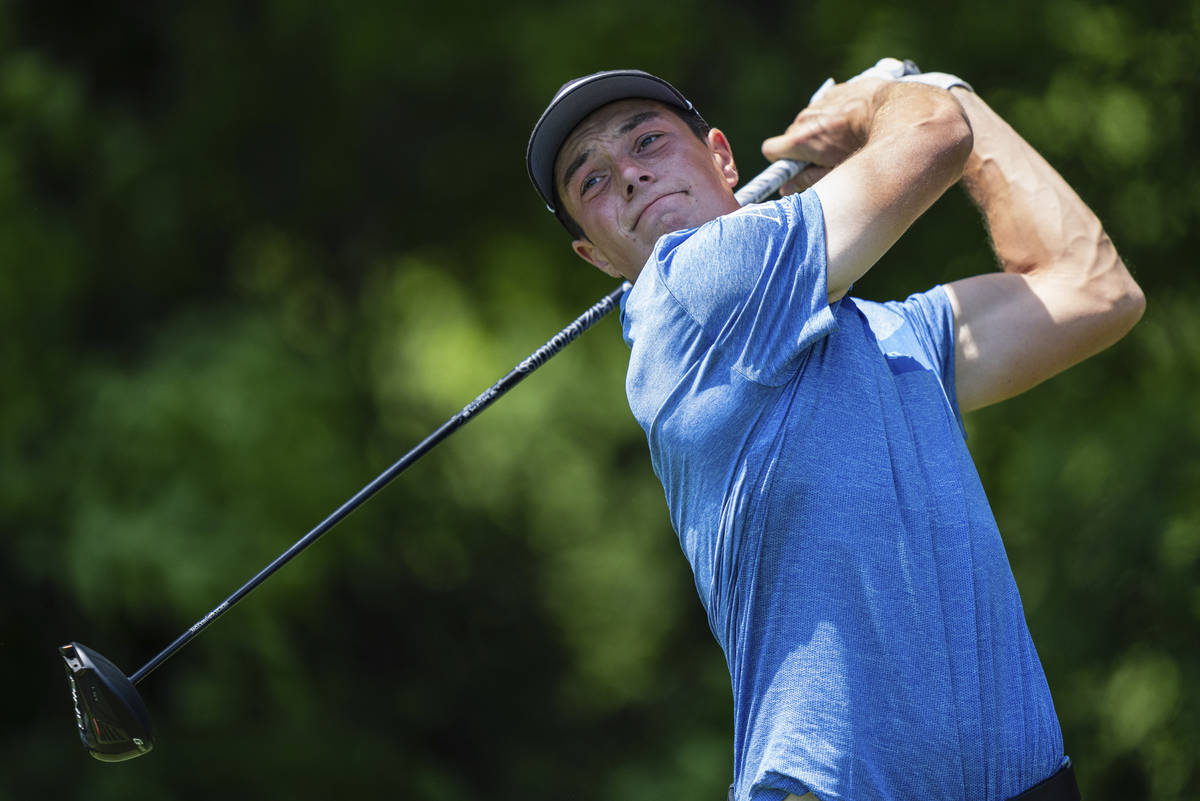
{"x":810,"y":443}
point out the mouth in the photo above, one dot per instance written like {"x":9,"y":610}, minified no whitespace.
{"x":637,"y":220}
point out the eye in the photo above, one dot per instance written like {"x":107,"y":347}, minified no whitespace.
{"x":647,"y":140}
{"x":588,"y":183}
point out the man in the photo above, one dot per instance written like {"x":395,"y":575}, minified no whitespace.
{"x":810,"y":443}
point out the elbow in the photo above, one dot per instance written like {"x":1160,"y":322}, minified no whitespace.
{"x":1126,"y":298}
{"x":1131,"y":305}
{"x":1123,"y":300}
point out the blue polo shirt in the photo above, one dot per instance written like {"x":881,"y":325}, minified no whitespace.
{"x":817,"y":475}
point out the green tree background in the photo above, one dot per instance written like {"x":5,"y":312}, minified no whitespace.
{"x":251,"y":252}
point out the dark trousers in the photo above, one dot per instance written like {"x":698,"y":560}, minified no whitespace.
{"x":1059,"y":787}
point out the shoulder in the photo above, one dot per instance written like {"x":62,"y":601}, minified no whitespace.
{"x":752,"y":225}
{"x":714,"y":269}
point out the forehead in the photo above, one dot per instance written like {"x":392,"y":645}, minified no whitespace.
{"x":605,"y":124}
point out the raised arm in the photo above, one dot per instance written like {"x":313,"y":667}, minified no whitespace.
{"x":882,"y":152}
{"x":1064,"y":293}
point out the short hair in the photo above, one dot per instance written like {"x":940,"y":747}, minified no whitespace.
{"x":695,"y":124}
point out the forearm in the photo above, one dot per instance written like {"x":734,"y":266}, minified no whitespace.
{"x":907,"y":145}
{"x":1038,"y":224}
{"x":1064,"y":294}
{"x":925,"y":127}
{"x":882,"y":115}
{"x":915,"y":148}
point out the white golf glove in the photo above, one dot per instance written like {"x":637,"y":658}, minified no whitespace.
{"x":893,"y":69}
{"x":942,"y":79}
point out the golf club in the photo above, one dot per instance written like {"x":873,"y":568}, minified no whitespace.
{"x":110,"y":714}
{"x":111,"y":717}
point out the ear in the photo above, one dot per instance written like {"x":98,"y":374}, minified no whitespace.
{"x":594,"y":256}
{"x":722,"y":154}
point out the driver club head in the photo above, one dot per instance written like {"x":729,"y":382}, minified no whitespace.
{"x":112,"y":718}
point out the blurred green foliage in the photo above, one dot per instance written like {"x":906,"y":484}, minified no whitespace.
{"x":252,"y":252}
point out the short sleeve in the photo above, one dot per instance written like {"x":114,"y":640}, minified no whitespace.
{"x":755,"y":281}
{"x":931,"y":320}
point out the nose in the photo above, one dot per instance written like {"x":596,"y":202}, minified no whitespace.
{"x":635,"y":174}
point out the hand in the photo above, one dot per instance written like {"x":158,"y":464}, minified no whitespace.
{"x":828,"y":131}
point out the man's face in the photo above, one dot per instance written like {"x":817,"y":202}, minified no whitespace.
{"x":633,"y":171}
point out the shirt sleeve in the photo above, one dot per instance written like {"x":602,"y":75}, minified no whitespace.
{"x":755,"y":282}
{"x":931,"y":319}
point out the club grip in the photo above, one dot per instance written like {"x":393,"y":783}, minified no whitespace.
{"x":767,"y":182}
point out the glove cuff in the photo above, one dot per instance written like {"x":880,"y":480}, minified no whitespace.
{"x":943,"y":80}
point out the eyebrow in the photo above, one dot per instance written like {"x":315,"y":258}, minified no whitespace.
{"x":626,"y":127}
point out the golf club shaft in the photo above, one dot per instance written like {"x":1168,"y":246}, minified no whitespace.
{"x":756,"y":190}
{"x":514,"y":377}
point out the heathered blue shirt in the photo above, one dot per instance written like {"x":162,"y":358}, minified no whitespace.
{"x":816,"y":472}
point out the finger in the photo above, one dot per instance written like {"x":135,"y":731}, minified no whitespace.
{"x":819,"y":135}
{"x":791,"y":144}
{"x":812,"y":142}
{"x":777,"y":147}
{"x":829,"y":129}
